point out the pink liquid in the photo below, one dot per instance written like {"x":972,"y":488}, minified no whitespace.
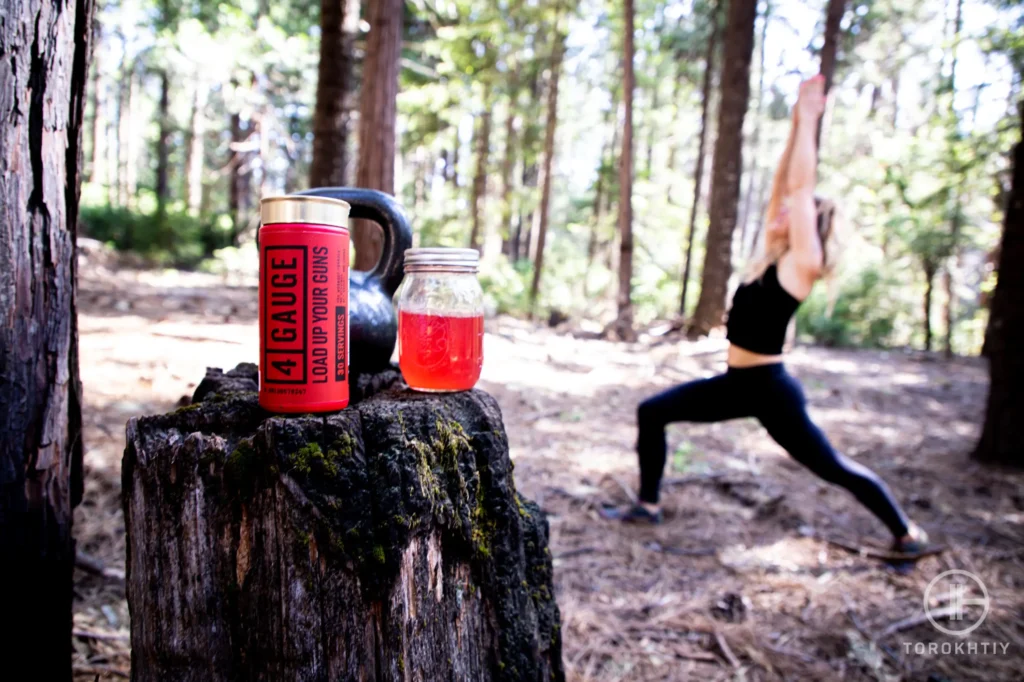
{"x":440,"y":353}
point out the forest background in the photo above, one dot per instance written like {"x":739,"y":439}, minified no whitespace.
{"x":197,"y":109}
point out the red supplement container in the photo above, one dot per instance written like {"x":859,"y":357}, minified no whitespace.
{"x":303,"y":304}
{"x":441,"y":320}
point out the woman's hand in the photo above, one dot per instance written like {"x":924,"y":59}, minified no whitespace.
{"x":777,"y":229}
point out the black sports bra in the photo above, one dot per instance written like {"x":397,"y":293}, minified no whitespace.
{"x":760,"y":314}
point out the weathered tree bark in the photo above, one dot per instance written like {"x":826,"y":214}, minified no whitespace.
{"x":44,"y":71}
{"x":833,"y":21}
{"x":377,"y":116}
{"x":383,"y":542}
{"x":331,"y":119}
{"x":1002,"y":435}
{"x":483,"y":149}
{"x":623,"y":324}
{"x":557,"y":52}
{"x":163,"y":143}
{"x":698,"y":175}
{"x":727,"y":166}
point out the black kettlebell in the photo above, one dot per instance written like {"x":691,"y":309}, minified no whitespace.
{"x":373,"y":325}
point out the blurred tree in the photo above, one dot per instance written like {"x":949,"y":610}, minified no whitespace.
{"x":377,"y":118}
{"x":623,"y":324}
{"x":833,"y":20}
{"x":339,"y":24}
{"x":1003,"y":430}
{"x":554,"y":73}
{"x":166,"y":26}
{"x":483,"y":149}
{"x":727,"y":166}
{"x":957,"y":169}
{"x":698,"y":174}
{"x":47,"y":47}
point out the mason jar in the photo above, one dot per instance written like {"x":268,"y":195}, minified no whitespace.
{"x":441,"y":320}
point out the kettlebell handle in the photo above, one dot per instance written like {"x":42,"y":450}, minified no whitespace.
{"x":381,"y":208}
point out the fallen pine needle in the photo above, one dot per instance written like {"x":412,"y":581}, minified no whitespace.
{"x":93,"y":565}
{"x":86,"y":634}
{"x":914,"y":621}
{"x":884,"y":555}
{"x":724,"y":646}
{"x":100,"y":670}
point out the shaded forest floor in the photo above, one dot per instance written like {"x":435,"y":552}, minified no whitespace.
{"x":739,"y":583}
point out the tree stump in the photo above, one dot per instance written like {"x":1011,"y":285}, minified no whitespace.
{"x":383,"y":542}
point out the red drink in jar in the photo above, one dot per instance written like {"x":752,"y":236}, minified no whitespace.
{"x":304,"y":252}
{"x":441,"y":320}
{"x":440,"y":352}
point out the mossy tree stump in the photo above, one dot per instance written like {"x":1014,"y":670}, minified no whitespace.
{"x":383,"y":542}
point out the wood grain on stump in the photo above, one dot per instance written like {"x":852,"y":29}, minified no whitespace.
{"x":383,"y":542}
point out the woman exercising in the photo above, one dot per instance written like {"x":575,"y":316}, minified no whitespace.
{"x":800,"y":247}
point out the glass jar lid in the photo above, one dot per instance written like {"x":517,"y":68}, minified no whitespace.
{"x":442,"y":260}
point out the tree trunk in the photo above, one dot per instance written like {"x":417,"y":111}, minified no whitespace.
{"x":124,"y":129}
{"x":549,"y":153}
{"x":331,"y":118}
{"x":755,"y":139}
{"x":1003,"y":431}
{"x":599,"y":191}
{"x":524,"y":225}
{"x":377,"y":119}
{"x":195,"y":152}
{"x":452,"y":169}
{"x":508,"y":166}
{"x":929,"y":274}
{"x":650,"y":120}
{"x":759,"y":225}
{"x":727,"y":167}
{"x":97,"y":168}
{"x":624,"y":317}
{"x":955,"y":220}
{"x":383,"y":542}
{"x":44,"y":75}
{"x":483,"y":149}
{"x":833,"y":21}
{"x":238,"y":179}
{"x":163,"y":143}
{"x":698,"y":175}
{"x":131,"y":160}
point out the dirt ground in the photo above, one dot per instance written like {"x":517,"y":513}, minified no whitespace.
{"x":744,"y":581}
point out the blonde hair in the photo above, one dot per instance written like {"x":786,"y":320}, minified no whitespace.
{"x":831,"y":232}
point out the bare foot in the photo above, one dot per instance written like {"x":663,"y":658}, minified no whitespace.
{"x":810,"y":104}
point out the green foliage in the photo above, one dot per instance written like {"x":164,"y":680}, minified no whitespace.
{"x":862,"y":315}
{"x":506,"y":286}
{"x":171,"y":239}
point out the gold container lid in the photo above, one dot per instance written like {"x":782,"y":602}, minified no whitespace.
{"x":304,"y":209}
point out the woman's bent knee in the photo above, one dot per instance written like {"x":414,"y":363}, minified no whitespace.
{"x":648,"y":413}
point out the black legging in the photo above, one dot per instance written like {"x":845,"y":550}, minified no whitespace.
{"x":769,"y":393}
